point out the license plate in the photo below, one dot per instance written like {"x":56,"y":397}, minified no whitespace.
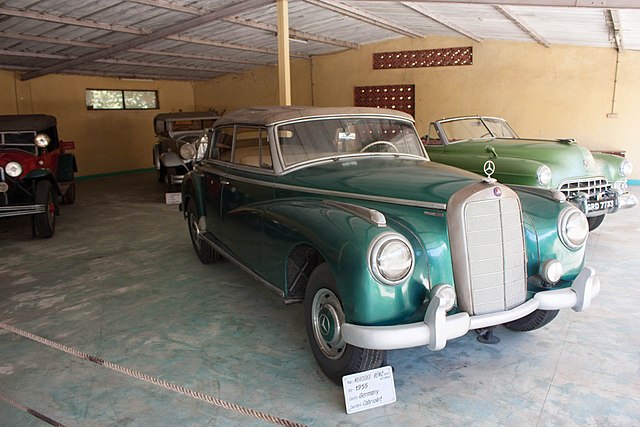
{"x":599,"y":205}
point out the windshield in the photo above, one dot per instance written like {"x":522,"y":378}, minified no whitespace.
{"x":315,"y":139}
{"x":22,"y":140}
{"x":499,"y":128}
{"x":476,"y":128}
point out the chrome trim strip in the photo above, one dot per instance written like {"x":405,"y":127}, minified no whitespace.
{"x":328,"y":159}
{"x":6,"y":211}
{"x":220,"y":167}
{"x":243,"y":267}
{"x":341,"y":116}
{"x":370,"y":215}
{"x":379,"y":199}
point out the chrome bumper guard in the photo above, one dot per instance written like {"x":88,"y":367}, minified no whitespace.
{"x":627,"y":200}
{"x":437,"y":328}
{"x":16,"y":210}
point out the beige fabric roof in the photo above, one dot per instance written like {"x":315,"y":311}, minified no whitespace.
{"x":261,"y":116}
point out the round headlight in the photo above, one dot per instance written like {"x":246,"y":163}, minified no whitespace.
{"x":42,"y":140}
{"x":543,"y":175}
{"x":187,"y":151}
{"x":391,"y":259}
{"x":551,"y":270}
{"x":13,"y":169}
{"x":573,"y":228}
{"x":626,"y":167}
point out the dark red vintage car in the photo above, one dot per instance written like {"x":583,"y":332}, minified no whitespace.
{"x":36,"y":171}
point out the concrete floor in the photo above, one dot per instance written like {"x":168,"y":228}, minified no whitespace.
{"x":119,"y":280}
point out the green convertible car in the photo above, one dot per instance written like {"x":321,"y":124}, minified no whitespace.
{"x":341,"y":209}
{"x":594,"y":182}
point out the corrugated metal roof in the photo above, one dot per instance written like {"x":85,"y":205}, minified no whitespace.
{"x":38,"y":34}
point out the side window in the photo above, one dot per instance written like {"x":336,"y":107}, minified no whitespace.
{"x":252,"y":148}
{"x":222,"y":140}
{"x":433,"y":138}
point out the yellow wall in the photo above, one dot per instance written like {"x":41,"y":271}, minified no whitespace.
{"x":106,"y":141}
{"x":557,"y":92}
{"x":258,"y":86}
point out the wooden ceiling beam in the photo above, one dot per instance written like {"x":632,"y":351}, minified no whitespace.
{"x":207,"y":42}
{"x":434,"y":17}
{"x":293,"y":33}
{"x":615,"y":28}
{"x":48,"y":17}
{"x":51,"y":40}
{"x":513,"y":17}
{"x":117,"y":61}
{"x":188,"y":24}
{"x":361,"y":15}
{"x":593,"y":4}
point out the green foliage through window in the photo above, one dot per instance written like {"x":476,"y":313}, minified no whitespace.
{"x":116,"y":99}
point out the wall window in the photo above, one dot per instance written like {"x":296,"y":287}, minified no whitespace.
{"x":116,"y":99}
{"x":397,"y":97}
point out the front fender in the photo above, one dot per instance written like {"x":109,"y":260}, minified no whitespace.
{"x":542,"y":239}
{"x":610,"y":165}
{"x":516,"y":171}
{"x":171,"y":160}
{"x":66,"y":167}
{"x":40,"y":174}
{"x":343,"y":239}
{"x":192,"y":190}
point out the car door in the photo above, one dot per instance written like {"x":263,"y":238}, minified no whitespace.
{"x":213,"y":170}
{"x":247,"y":186}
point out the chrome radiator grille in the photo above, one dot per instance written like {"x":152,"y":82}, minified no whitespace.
{"x":496,"y":255}
{"x":591,"y":187}
{"x":487,"y":248}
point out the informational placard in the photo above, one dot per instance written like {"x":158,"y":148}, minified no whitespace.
{"x":173,"y":198}
{"x":369,"y":389}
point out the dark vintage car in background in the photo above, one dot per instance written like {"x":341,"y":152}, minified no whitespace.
{"x":340,"y":208}
{"x":594,"y":182}
{"x":35,"y":170}
{"x":177,"y":134}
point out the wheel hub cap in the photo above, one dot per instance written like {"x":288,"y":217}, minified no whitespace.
{"x":327,"y":317}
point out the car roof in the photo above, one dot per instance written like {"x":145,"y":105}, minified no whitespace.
{"x":35,"y":122}
{"x":182,"y":115}
{"x":274,"y":114}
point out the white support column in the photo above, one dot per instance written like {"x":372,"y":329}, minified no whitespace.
{"x":284,"y":66}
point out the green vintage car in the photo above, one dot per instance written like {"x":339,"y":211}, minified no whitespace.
{"x":594,"y":182}
{"x":340,"y":208}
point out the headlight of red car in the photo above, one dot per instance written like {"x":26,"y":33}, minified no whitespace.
{"x":13,"y":169}
{"x":42,"y":140}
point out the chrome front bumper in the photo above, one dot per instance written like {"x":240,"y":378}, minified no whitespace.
{"x":437,"y":328}
{"x":618,"y":201}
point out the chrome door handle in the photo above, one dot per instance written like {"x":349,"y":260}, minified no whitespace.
{"x":224,"y":182}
